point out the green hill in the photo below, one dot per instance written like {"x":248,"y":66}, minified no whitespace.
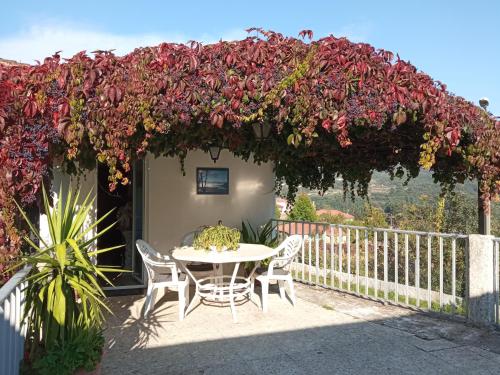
{"x":395,"y":196}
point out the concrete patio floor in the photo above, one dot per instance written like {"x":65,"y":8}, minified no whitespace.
{"x":326,"y":333}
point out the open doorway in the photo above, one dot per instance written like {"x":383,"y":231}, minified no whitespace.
{"x":127,"y":205}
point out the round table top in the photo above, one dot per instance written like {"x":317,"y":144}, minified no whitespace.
{"x":245,"y":253}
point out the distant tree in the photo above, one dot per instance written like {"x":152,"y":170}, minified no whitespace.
{"x":452,"y":213}
{"x":331,"y":219}
{"x":416,"y":216}
{"x":373,"y":217}
{"x":303,"y":209}
{"x":439,"y":214}
{"x":460,"y":214}
{"x":456,"y":213}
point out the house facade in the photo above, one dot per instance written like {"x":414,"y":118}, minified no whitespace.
{"x":163,"y":203}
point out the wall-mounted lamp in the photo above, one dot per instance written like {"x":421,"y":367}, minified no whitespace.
{"x":214,"y":152}
{"x":484,"y":103}
{"x":261,"y":130}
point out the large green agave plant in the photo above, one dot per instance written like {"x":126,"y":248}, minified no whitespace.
{"x":265,"y":235}
{"x":63,"y":294}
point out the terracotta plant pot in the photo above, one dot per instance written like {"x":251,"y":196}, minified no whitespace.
{"x":96,"y":371}
{"x":214,"y":248}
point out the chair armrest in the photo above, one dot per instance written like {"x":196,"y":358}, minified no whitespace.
{"x":157,"y":267}
{"x":165,"y":263}
{"x":278,"y":259}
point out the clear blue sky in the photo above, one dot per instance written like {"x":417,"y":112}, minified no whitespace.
{"x":457,"y":42}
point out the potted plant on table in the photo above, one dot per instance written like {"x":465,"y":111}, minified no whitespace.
{"x":217,"y":238}
{"x":65,"y":304}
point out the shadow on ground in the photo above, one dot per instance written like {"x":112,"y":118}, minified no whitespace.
{"x":326,"y":333}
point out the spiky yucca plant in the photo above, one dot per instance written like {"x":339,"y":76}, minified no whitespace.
{"x":63,"y":295}
{"x":265,"y":235}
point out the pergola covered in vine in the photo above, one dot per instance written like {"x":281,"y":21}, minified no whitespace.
{"x":336,"y":109}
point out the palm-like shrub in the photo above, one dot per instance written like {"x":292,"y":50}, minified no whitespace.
{"x":265,"y":235}
{"x":63,"y":296}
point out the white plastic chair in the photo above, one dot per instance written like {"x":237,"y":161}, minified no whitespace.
{"x":162,"y":273}
{"x":279,"y":269}
{"x":188,"y":238}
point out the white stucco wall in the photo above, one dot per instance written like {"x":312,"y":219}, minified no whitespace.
{"x":173,"y":208}
{"x":85,"y":184}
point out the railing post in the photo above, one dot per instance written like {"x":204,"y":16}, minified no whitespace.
{"x":480,"y":292}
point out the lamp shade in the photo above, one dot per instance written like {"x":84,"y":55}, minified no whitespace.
{"x":261,"y":130}
{"x":214,"y":152}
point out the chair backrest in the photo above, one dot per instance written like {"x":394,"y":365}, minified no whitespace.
{"x":154,"y":261}
{"x":188,"y":238}
{"x":287,"y":251}
{"x":150,"y":256}
{"x":291,"y":246}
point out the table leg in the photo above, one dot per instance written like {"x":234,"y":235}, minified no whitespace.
{"x":252,"y":286}
{"x":218,"y":286}
{"x":190,"y":307}
{"x":231,"y":286}
{"x":196,"y":295}
{"x":257,"y":265}
{"x":188,"y":272}
{"x":219,"y":280}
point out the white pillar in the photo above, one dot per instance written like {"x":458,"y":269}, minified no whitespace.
{"x":84,"y":183}
{"x":59,"y":180}
{"x":480,"y":280}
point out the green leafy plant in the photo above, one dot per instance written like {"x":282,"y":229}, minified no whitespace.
{"x":219,"y":237}
{"x":265,"y":235}
{"x":63,"y":295}
{"x":82,"y":351}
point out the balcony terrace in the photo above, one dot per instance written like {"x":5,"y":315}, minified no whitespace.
{"x":327,"y":332}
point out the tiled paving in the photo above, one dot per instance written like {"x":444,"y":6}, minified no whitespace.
{"x":326,"y":333}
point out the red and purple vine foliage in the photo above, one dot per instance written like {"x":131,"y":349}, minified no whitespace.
{"x":337,"y":109}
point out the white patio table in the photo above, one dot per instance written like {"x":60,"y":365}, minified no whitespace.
{"x":220,"y":287}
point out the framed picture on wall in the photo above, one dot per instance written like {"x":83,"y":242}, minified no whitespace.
{"x":212,"y":181}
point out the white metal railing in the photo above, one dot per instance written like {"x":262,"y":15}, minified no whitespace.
{"x":496,"y":278}
{"x":12,"y":331}
{"x":423,"y":270}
